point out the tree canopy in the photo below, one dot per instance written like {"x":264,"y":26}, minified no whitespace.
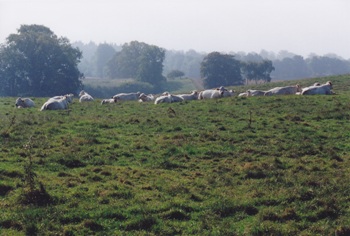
{"x":103,"y":54}
{"x":257,"y":71}
{"x":140,"y":61}
{"x":175,"y":74}
{"x":220,"y":70}
{"x":36,"y":62}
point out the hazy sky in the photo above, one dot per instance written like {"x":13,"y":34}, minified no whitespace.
{"x":299,"y":26}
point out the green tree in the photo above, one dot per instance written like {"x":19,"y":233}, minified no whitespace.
{"x":36,"y":62}
{"x":103,"y":54}
{"x":175,"y":74}
{"x":220,"y":70}
{"x":326,"y":66}
{"x":291,"y":68}
{"x":140,"y":61}
{"x":257,"y":71}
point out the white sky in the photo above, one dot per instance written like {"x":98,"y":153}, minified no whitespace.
{"x":298,"y":26}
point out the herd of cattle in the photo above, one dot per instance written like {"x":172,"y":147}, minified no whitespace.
{"x":61,"y":102}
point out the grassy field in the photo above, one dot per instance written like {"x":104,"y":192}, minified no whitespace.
{"x":274,"y":165}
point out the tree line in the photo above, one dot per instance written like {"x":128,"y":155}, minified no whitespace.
{"x":36,"y":62}
{"x":287,"y":65}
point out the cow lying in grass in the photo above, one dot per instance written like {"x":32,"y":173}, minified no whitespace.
{"x":287,"y":90}
{"x":127,"y":96}
{"x":168,"y":99}
{"x":323,"y":89}
{"x":85,"y":97}
{"x":55,"y":104}
{"x":108,"y":101}
{"x":146,"y":98}
{"x":188,"y":97}
{"x":212,"y":93}
{"x":68,"y":96}
{"x":24,"y":103}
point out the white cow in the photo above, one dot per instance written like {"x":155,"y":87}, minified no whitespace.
{"x":55,"y":104}
{"x":245,"y":94}
{"x":127,"y":96}
{"x":287,"y":90}
{"x":68,"y":96}
{"x":253,"y":93}
{"x":228,"y":93}
{"x":24,"y":103}
{"x":162,"y":99}
{"x":187,"y":97}
{"x":85,"y":97}
{"x":108,"y":101}
{"x":175,"y":98}
{"x":168,"y":99}
{"x":318,"y":89}
{"x":146,"y":98}
{"x":212,"y":93}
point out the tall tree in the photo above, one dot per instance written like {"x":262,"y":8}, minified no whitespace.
{"x":221,"y":70}
{"x":257,"y":71}
{"x":291,"y":68}
{"x":140,"y":61}
{"x":325,"y":66}
{"x":175,"y":74}
{"x":103,"y":54}
{"x":36,"y":62}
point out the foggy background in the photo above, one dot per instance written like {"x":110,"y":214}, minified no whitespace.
{"x":299,"y":26}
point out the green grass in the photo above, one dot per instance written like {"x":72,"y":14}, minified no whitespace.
{"x":233,"y":166}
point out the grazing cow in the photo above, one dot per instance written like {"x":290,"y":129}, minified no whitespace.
{"x":188,"y":97}
{"x":212,"y":93}
{"x":146,"y":98}
{"x":55,"y":104}
{"x":85,"y":97}
{"x":168,"y":99}
{"x":325,"y":89}
{"x":283,"y":90}
{"x":127,"y":96}
{"x":108,"y":101}
{"x":24,"y":103}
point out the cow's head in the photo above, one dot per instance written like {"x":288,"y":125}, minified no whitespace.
{"x":221,"y":90}
{"x":298,"y":87}
{"x":19,"y":102}
{"x":330,"y":84}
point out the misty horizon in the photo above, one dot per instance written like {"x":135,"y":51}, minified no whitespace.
{"x":301,"y":27}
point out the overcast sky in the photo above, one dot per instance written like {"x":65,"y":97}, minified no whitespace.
{"x":298,"y":26}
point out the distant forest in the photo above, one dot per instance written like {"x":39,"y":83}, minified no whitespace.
{"x":288,"y":66}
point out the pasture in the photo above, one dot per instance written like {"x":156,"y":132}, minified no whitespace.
{"x":275,"y":165}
